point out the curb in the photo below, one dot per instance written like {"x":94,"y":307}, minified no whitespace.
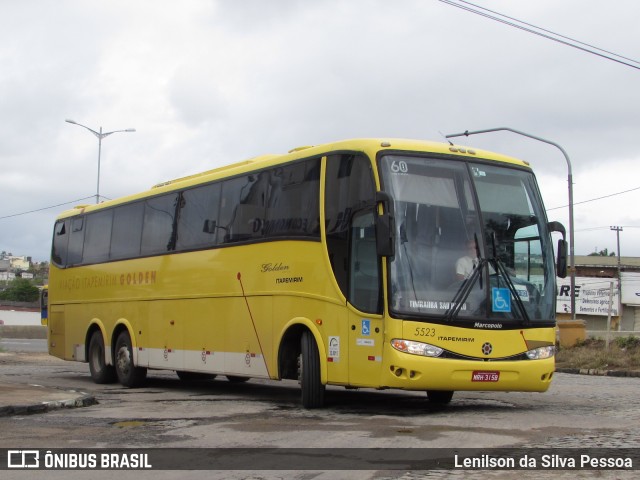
{"x":85,"y":400}
{"x":602,"y":373}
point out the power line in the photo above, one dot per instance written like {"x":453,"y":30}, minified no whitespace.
{"x":45,"y":208}
{"x":594,"y":199}
{"x":552,"y":32}
{"x":605,"y":227}
{"x":541,"y":32}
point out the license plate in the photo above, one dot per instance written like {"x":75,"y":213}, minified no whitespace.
{"x":479,"y":376}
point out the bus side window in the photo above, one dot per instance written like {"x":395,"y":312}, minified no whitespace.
{"x":240,"y":209}
{"x":76,"y":241}
{"x":127,"y":231}
{"x":158,"y":224}
{"x":294,"y":195}
{"x":60,"y":243}
{"x":97,"y":237}
{"x":198,"y":220}
{"x":278,"y":202}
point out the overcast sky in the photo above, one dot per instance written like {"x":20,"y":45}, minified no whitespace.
{"x":206,"y":83}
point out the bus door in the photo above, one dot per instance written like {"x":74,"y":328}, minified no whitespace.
{"x":365,"y":322}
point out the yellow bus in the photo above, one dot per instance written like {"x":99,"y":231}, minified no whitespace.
{"x":366,"y":263}
{"x":44,"y":304}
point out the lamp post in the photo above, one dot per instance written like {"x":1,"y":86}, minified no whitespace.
{"x":100,"y":136}
{"x":569,"y":180}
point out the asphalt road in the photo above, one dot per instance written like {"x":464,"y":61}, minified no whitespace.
{"x":32,"y":345}
{"x":588,"y":413}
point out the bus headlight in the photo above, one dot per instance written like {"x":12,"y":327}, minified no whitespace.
{"x":541,"y":353}
{"x":416,"y":348}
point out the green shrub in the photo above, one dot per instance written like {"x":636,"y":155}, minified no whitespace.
{"x":20,"y":290}
{"x":628,"y":342}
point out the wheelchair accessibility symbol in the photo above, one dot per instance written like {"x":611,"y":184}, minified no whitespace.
{"x":366,"y":327}
{"x":501,"y":300}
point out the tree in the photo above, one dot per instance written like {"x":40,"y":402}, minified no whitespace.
{"x":20,"y":290}
{"x":602,"y":253}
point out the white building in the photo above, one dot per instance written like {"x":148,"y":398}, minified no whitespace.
{"x":7,"y":276}
{"x":598,"y":291}
{"x":20,"y":263}
{"x":14,"y":262}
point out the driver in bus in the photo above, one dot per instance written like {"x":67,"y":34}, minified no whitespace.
{"x":468,"y":263}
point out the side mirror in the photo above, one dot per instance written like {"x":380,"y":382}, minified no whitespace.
{"x":384,"y":236}
{"x":557,"y":227}
{"x":561,"y":260}
{"x":385,"y":226}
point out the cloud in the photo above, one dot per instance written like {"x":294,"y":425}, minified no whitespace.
{"x":207,"y":83}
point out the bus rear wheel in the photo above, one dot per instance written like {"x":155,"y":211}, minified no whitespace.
{"x":128,"y":374}
{"x":100,"y":371}
{"x":439,"y":397}
{"x":309,"y":372}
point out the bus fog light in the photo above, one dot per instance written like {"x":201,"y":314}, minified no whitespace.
{"x":416,"y":348}
{"x":541,"y":353}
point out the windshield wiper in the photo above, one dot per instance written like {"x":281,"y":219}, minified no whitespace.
{"x":465,"y":290}
{"x":501,"y":271}
{"x":467,"y":286}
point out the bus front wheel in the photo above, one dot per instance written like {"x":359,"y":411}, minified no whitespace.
{"x":100,"y":371}
{"x":309,"y":372}
{"x":128,"y":374}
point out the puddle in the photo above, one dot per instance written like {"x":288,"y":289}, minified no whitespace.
{"x":130,"y":423}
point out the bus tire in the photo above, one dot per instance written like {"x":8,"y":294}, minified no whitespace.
{"x":237,"y":379}
{"x":309,"y":372}
{"x":100,"y":372}
{"x":128,"y":374}
{"x":439,"y":397}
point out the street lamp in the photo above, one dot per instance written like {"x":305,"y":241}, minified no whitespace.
{"x":100,"y":136}
{"x":569,"y":180}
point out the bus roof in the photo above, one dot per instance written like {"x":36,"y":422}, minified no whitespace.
{"x":370,"y":146}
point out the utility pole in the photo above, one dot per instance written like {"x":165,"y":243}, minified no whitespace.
{"x":618,"y":230}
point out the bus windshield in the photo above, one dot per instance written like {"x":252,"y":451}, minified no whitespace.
{"x":472,"y":243}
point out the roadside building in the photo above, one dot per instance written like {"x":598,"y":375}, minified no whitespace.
{"x":20,"y":263}
{"x":603,"y":287}
{"x":7,"y":276}
{"x":14,"y":263}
